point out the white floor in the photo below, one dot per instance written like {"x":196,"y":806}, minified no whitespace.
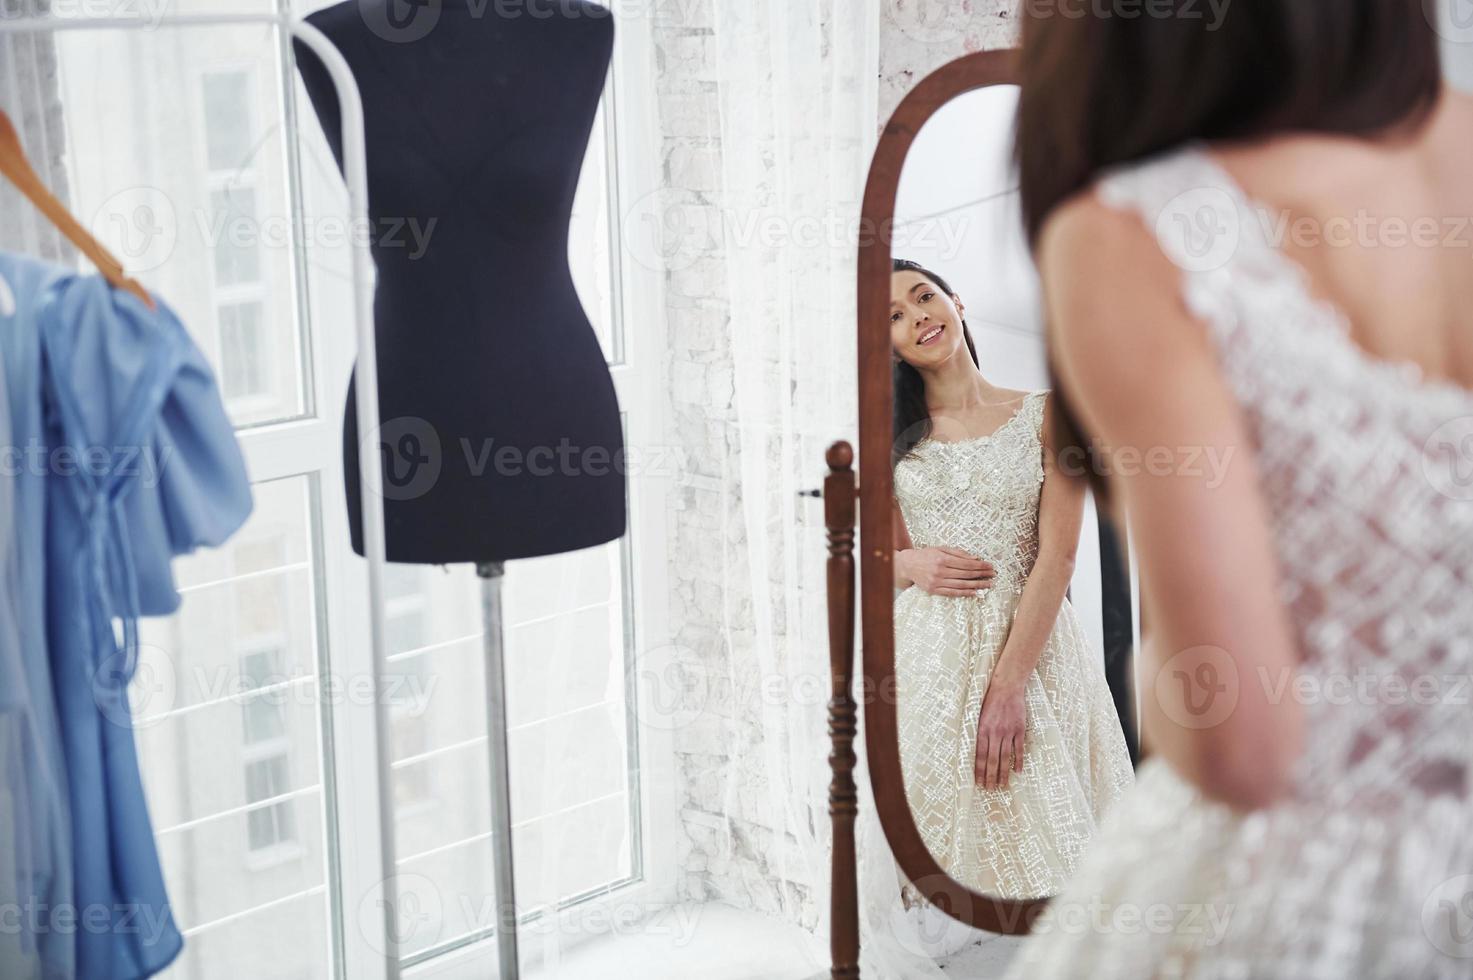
{"x":710,"y":942}
{"x":717,"y":942}
{"x":984,"y":961}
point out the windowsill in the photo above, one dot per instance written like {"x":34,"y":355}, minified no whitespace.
{"x":254,"y":403}
{"x":274,"y":856}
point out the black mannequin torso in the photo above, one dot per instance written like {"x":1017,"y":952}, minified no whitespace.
{"x":501,"y":429}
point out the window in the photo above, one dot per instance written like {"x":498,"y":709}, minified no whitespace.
{"x":236,"y":232}
{"x":263,"y":714}
{"x":567,"y":648}
{"x":265,"y":749}
{"x":184,"y":167}
{"x":266,"y":779}
{"x":252,"y":746}
{"x":231,"y":749}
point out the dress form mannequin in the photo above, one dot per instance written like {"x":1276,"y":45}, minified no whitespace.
{"x":500,"y":432}
{"x":501,"y":435}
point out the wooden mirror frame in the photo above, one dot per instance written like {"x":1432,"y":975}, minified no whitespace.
{"x":876,"y":482}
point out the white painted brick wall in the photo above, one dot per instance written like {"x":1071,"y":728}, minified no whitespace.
{"x":919,"y":36}
{"x":726,"y":851}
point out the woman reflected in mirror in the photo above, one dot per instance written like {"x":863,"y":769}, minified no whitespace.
{"x":1010,"y":745}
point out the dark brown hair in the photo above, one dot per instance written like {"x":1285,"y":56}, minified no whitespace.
{"x":1102,"y":90}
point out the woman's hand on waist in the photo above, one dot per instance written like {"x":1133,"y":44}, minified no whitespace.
{"x":948,"y":572}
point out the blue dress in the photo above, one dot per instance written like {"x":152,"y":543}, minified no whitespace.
{"x":142,"y":465}
{"x":35,"y":829}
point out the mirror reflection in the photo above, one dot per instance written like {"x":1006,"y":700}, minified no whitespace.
{"x":1013,"y":610}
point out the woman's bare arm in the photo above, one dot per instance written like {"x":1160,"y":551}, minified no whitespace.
{"x":1143,"y":376}
{"x":1003,"y":722}
{"x":1060,"y":518}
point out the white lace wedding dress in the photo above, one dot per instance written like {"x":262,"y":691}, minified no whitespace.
{"x":1364,"y":871}
{"x":1023,"y":841}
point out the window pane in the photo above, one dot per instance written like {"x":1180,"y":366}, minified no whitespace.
{"x":228,"y":722}
{"x":263,"y":714}
{"x":572,"y":778}
{"x":237,"y":257}
{"x":260,"y":669}
{"x":263,"y":717}
{"x":271,"y":950}
{"x":269,"y":825}
{"x":181,"y":170}
{"x":243,"y":348}
{"x":228,"y":120}
{"x":411,"y":734}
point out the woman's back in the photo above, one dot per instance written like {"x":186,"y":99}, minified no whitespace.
{"x":1348,"y":361}
{"x":1360,"y":457}
{"x":1384,"y":230}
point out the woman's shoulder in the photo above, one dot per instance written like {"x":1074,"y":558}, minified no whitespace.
{"x":1114,"y":295}
{"x":1019,"y":397}
{"x":1096,"y":230}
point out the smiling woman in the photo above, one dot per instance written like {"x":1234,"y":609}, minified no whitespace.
{"x":997,"y":617}
{"x":1010,"y":745}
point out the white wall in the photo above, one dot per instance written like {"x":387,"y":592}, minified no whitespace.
{"x":919,"y":36}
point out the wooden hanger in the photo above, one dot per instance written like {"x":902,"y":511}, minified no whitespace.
{"x":13,"y":164}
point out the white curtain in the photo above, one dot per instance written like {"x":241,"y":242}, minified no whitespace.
{"x":796,"y":114}
{"x":29,"y":95}
{"x":797,"y":90}
{"x":796,"y":85}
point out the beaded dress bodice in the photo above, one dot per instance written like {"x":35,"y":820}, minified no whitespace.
{"x":980,"y":495}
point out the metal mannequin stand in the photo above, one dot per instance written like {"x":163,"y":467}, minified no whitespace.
{"x":491,"y":574}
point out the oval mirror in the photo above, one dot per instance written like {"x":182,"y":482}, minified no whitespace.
{"x":998,"y":605}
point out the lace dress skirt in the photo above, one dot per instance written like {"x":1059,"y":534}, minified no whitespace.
{"x":1184,"y":887}
{"x":1026,"y":840}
